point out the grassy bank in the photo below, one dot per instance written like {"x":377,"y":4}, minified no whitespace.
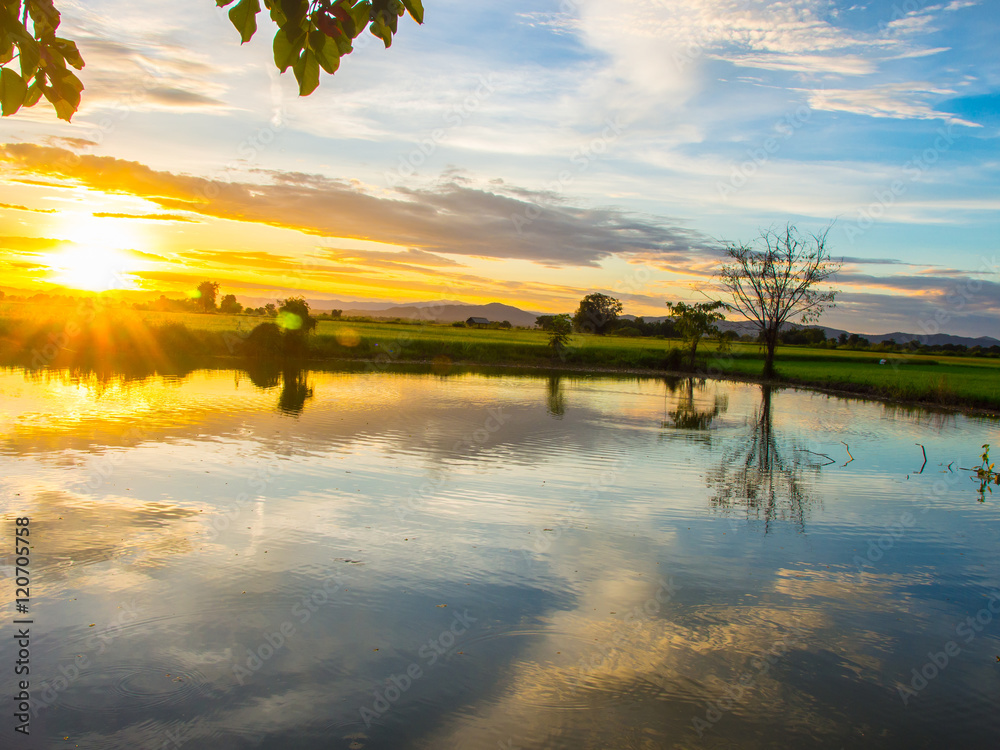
{"x":175,"y":342}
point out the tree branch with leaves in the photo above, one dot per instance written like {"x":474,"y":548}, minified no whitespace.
{"x":28,"y":36}
{"x":312,"y":35}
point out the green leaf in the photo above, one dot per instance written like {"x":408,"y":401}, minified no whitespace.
{"x":285,"y":52}
{"x":33,"y":95}
{"x":44,"y":17}
{"x":415,"y":9}
{"x":326,"y":51}
{"x":360,"y":14}
{"x":69,"y":51}
{"x":276,"y":13}
{"x":6,"y":47}
{"x":306,"y":70}
{"x":64,"y":110}
{"x":31,"y":55}
{"x":382,"y":31}
{"x":295,"y":10}
{"x":223,"y":3}
{"x":244,"y":18}
{"x":12,"y":91}
{"x":340,"y":10}
{"x":66,"y":86}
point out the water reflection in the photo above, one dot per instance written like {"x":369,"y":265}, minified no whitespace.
{"x":556,"y":401}
{"x":687,"y":413}
{"x":480,"y":571}
{"x":761,"y":476}
{"x":296,"y":387}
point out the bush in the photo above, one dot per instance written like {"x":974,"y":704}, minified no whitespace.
{"x":266,"y":340}
{"x":674,"y":360}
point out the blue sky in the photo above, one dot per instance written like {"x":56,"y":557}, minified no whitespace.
{"x":533,"y":152}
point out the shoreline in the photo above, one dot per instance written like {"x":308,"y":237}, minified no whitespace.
{"x":842,"y":390}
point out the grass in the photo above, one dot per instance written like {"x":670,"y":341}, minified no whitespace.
{"x":164,"y":341}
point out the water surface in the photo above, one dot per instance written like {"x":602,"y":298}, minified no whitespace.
{"x":400,"y":560}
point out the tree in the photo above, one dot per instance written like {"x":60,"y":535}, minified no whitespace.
{"x":207,"y":291}
{"x":696,"y":321}
{"x":230,"y":305}
{"x":559,"y":329}
{"x":597,"y":313}
{"x":774,"y":280}
{"x":294,"y":318}
{"x":311,"y":35}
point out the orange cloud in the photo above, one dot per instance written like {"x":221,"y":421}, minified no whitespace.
{"x":451,"y":218}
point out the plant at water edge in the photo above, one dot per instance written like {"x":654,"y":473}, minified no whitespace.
{"x":986,"y":474}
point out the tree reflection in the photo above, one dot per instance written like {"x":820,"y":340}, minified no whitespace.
{"x":761,"y":476}
{"x":295,"y":389}
{"x":264,"y":374}
{"x":294,"y":381}
{"x":687,"y":413}
{"x":556,"y":400}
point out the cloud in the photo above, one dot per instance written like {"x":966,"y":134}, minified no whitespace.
{"x":941,"y":292}
{"x":450,"y":218}
{"x":413,"y":260}
{"x":857,"y":310}
{"x":905,"y":101}
{"x":16,"y":207}
{"x":147,"y":217}
{"x":179,"y":98}
{"x":74,"y":143}
{"x":33,"y":244}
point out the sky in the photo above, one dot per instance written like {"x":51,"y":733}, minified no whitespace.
{"x":525,"y":152}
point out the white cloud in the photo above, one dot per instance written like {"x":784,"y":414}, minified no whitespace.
{"x":894,"y":100}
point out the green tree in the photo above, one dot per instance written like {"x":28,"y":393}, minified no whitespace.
{"x":312,"y":35}
{"x":294,"y":318}
{"x":694,"y":322}
{"x":774,"y":280}
{"x":230,"y":305}
{"x":207,"y":292}
{"x":597,"y":313}
{"x":559,"y":329}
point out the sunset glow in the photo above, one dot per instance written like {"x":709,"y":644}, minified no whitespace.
{"x":614,"y":157}
{"x":90,"y":268}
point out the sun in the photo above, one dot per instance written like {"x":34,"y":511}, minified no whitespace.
{"x":97,"y":260}
{"x":92,"y":269}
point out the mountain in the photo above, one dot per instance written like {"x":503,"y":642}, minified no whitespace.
{"x":450,"y":312}
{"x":937,"y":339}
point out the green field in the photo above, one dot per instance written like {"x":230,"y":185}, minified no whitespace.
{"x":124,"y":336}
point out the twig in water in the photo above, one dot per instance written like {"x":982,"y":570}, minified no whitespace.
{"x":925,"y":459}
{"x":803,"y":450}
{"x":848,"y":453}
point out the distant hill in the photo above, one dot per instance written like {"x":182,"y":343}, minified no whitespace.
{"x":937,"y":339}
{"x":450,"y":312}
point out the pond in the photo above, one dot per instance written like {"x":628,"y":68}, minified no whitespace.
{"x":376,"y":559}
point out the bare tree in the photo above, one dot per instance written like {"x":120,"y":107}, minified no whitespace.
{"x":774,"y":280}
